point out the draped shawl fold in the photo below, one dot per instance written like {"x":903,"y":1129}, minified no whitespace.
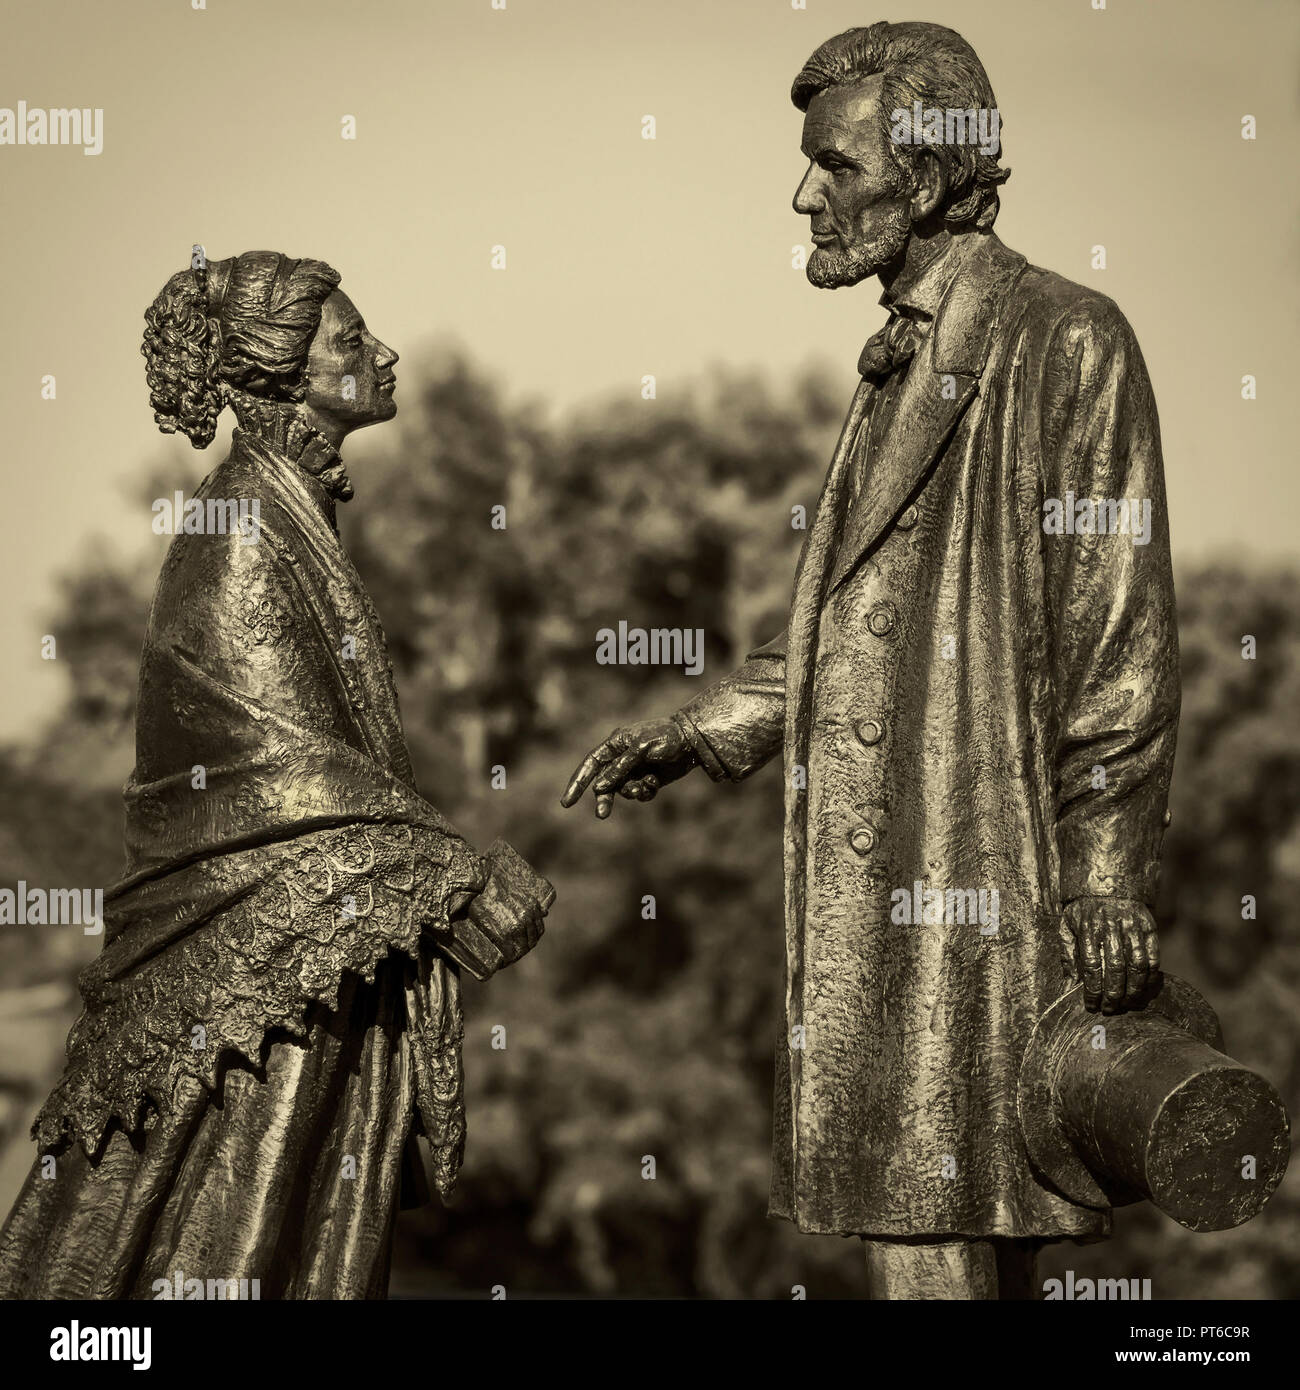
{"x":275,"y":839}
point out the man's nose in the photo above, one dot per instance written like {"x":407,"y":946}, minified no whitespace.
{"x":808,"y":196}
{"x":386,"y":357}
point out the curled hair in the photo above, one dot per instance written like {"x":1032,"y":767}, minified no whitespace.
{"x":923,"y":63}
{"x":236,"y":327}
{"x":182,"y":361}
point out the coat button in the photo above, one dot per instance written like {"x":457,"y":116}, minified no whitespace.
{"x":881,"y":620}
{"x":870,"y":731}
{"x":1169,"y":815}
{"x":909,"y":518}
{"x":863,"y":839}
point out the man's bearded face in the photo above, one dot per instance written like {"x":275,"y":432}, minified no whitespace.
{"x":853,"y":190}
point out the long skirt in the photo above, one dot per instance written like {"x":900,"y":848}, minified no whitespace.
{"x":289,"y":1174}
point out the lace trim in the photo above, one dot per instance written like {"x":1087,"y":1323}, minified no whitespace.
{"x":332,"y":901}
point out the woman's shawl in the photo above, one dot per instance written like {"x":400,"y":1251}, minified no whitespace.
{"x":274,"y":836}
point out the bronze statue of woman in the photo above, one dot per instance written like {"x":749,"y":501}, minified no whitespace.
{"x":275,"y":1014}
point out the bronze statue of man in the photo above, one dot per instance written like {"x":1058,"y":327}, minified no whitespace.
{"x":276,"y":1012}
{"x":976,"y":694}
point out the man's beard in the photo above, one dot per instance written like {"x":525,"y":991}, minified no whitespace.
{"x":834,"y":270}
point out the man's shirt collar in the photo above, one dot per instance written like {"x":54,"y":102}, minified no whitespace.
{"x":922,"y":295}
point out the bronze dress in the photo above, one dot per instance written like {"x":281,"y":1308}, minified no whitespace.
{"x":268,"y":1025}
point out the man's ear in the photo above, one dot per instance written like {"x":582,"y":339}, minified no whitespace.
{"x":929,"y":184}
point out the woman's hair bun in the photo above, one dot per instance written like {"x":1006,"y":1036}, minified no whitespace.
{"x":228,"y":330}
{"x":182,"y":353}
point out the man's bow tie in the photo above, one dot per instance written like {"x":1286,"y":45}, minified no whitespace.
{"x":895,"y":344}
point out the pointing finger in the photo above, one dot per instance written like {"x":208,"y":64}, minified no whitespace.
{"x":588,"y":768}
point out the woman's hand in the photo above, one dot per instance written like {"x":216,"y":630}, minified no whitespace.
{"x":503,"y":923}
{"x":508,"y":914}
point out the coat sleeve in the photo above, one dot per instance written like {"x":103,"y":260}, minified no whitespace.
{"x":738,"y":724}
{"x":1110,"y":607}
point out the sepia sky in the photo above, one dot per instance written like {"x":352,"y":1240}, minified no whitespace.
{"x":522,"y":127}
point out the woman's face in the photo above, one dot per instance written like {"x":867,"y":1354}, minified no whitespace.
{"x":350,"y":379}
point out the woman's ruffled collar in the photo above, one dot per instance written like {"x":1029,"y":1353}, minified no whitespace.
{"x":280,"y":427}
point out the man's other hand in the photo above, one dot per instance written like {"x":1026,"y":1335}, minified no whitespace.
{"x":1111,"y":945}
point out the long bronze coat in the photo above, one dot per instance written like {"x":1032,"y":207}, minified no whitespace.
{"x":965,"y":703}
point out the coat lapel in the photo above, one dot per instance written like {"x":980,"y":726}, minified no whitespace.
{"x":939,"y":385}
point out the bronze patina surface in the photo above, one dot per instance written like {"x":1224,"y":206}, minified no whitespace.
{"x":975,"y":700}
{"x":275,"y":1014}
{"x":1146,"y":1105}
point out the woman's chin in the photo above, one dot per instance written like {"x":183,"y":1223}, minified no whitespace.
{"x":385,"y":407}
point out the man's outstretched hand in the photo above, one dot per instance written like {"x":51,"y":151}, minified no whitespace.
{"x":1112,"y":946}
{"x":634,"y":763}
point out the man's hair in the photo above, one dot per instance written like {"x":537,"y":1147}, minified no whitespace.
{"x":938,"y":68}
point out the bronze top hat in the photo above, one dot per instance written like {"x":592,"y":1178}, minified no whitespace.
{"x":1119,"y":1107}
